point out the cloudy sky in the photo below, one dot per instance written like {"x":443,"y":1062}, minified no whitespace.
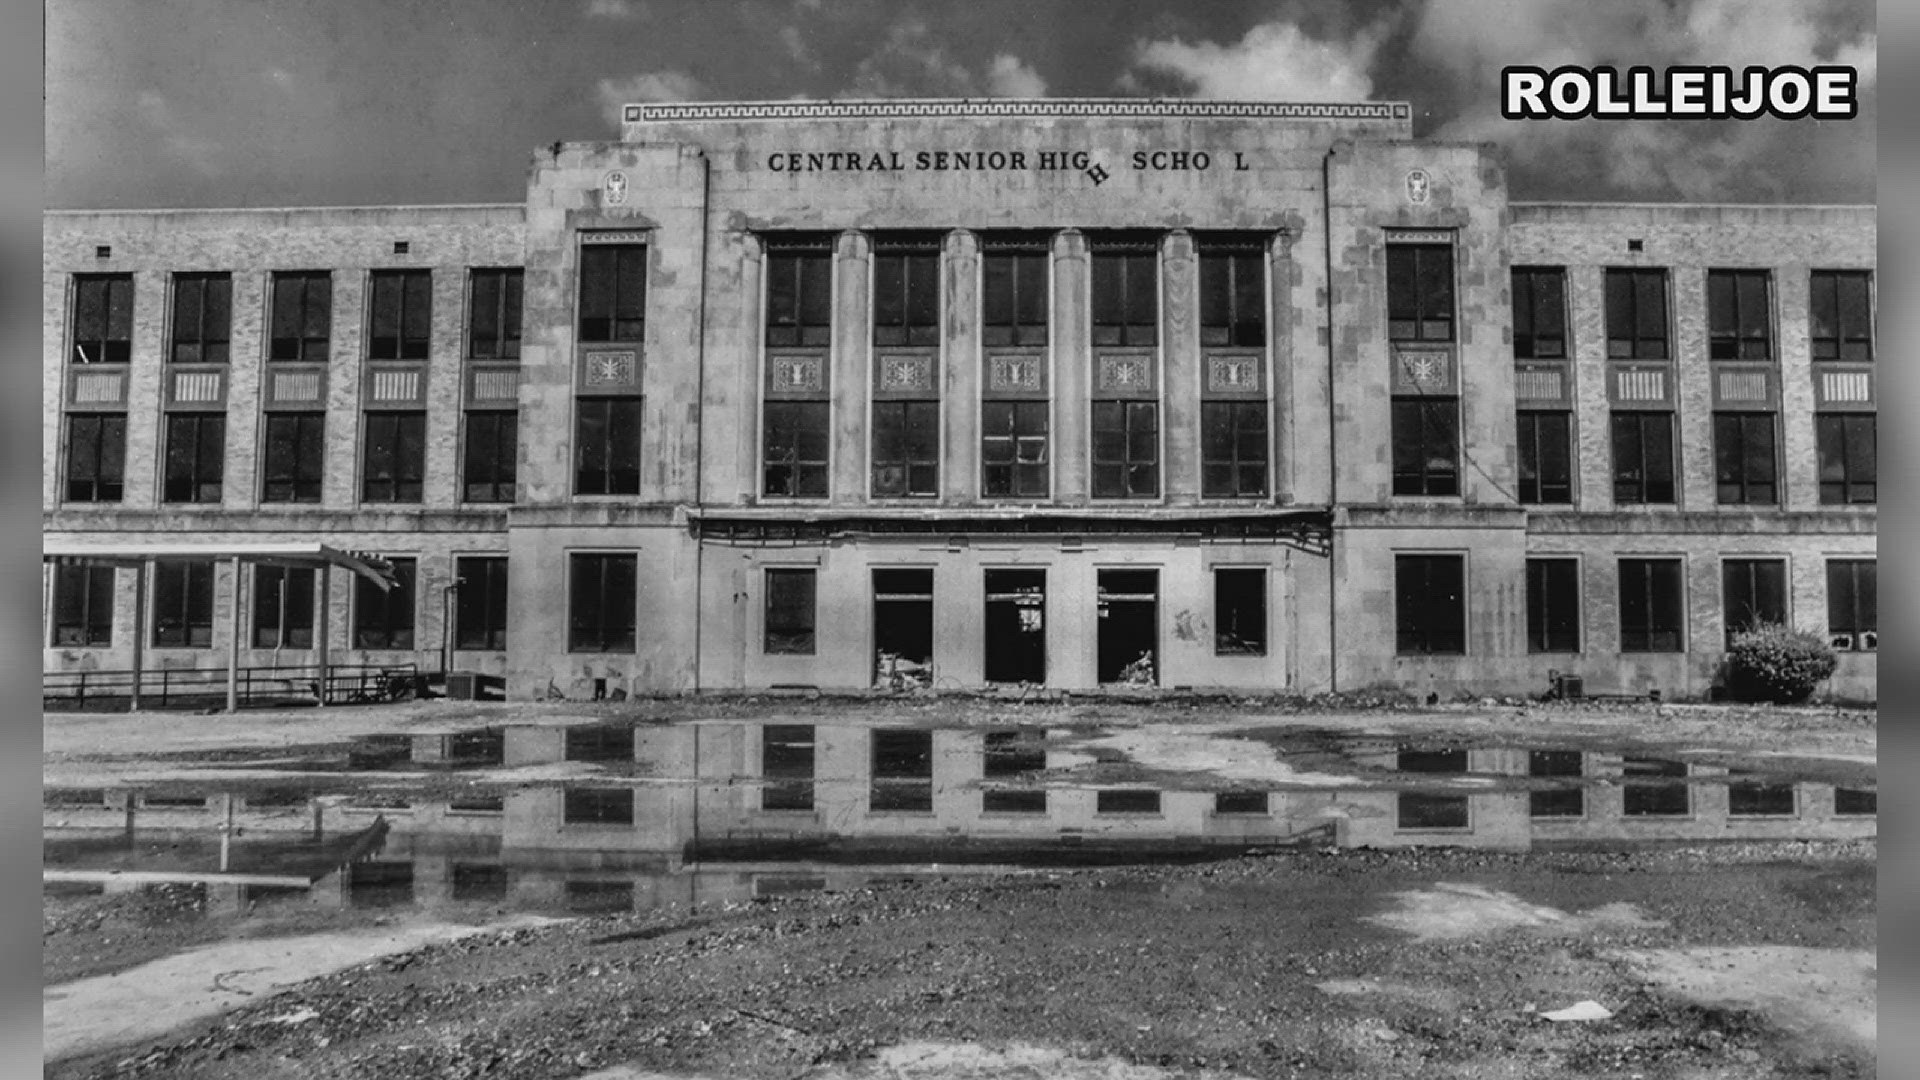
{"x":318,"y":102}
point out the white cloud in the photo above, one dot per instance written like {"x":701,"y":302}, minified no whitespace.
{"x":1273,"y":62}
{"x":1009,"y":76}
{"x":796,"y":45}
{"x":176,"y":135}
{"x":649,"y":86}
{"x":614,"y":9}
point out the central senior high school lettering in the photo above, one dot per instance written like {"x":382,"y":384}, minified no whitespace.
{"x":794,"y":161}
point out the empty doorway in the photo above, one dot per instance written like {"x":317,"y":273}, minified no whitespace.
{"x":903,"y":628}
{"x":1016,"y":627}
{"x":1129,"y":644}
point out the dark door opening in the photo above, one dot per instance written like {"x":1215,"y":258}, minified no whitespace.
{"x":903,"y":628}
{"x":1129,"y":627}
{"x":1016,"y":626}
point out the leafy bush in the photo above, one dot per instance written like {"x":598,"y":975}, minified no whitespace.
{"x":1777,"y":663}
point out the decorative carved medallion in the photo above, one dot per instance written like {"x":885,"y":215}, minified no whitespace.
{"x":612,"y":368}
{"x":796,"y":374}
{"x":1230,"y":374}
{"x":1126,"y":373}
{"x":906,"y":373}
{"x":614,"y":189}
{"x":1419,"y":187}
{"x":1009,"y":374}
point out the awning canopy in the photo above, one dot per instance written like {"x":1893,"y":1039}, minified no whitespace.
{"x":1306,"y":528}
{"x":274,"y":553}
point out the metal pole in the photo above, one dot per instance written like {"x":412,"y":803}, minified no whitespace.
{"x":233,"y":644}
{"x":326,"y":595}
{"x":226,"y":834}
{"x":139,"y":629}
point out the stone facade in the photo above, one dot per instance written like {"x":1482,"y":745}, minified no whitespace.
{"x":1324,"y":192}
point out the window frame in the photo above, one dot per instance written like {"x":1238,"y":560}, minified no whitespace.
{"x":387,"y":619}
{"x":1015,"y":442}
{"x":1741,"y":578}
{"x":98,"y":440}
{"x":487,"y":605}
{"x":1238,"y":437}
{"x":1432,"y":291}
{"x":393,"y":457}
{"x":1233,"y":296}
{"x":1841,"y":338}
{"x":1642,"y":284}
{"x":612,"y":632}
{"x":1862,"y":621}
{"x":306,"y":459}
{"x":209,"y":305}
{"x":802,"y":311}
{"x":506,"y":307}
{"x":619,"y":292}
{"x":1642,"y":420}
{"x":804,"y":475}
{"x":295,"y":613}
{"x":1736,"y":474}
{"x":1526,"y":299}
{"x":114,"y":334}
{"x":90,"y":630}
{"x":906,"y":275}
{"x":1647,"y":639}
{"x":314,"y":303}
{"x":1737,"y":342}
{"x":406,"y":297}
{"x":909,"y":444}
{"x":594,"y":437}
{"x":1542,"y":490}
{"x":796,"y":623}
{"x":499,"y":475}
{"x":195,"y":478}
{"x":1259,"y":614}
{"x":1546,"y":634}
{"x":1416,"y":637}
{"x":1020,"y":257}
{"x":1846,"y":490}
{"x":1120,"y":264}
{"x":1127,"y":463}
{"x":1424,"y":479}
{"x":195,"y":588}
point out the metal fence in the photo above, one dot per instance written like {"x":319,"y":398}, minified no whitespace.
{"x":206,"y":688}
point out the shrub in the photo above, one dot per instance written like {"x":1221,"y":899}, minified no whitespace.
{"x":1777,"y":663}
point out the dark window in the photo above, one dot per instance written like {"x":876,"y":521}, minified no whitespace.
{"x":601,"y":603}
{"x":1555,"y":801}
{"x":196,"y":457}
{"x":1014,"y":304}
{"x":296,"y":445}
{"x":283,"y":607}
{"x":902,"y":771}
{"x":1637,"y":314}
{"x":489,"y":467}
{"x":1426,"y":446}
{"x":82,"y":606}
{"x":1010,"y":756}
{"x":1126,"y":449}
{"x":183,"y":605}
{"x":1240,"y":802}
{"x":1849,"y":457}
{"x":599,"y":742}
{"x":796,"y":450}
{"x":1239,"y":611}
{"x":1651,"y":609}
{"x":482,"y":746}
{"x":597,"y":806}
{"x":379,"y":883}
{"x":906,"y":293}
{"x":1233,"y":449}
{"x":1855,"y":801}
{"x":1424,"y":810}
{"x":103,"y":319}
{"x":1127,"y":801}
{"x":1842,"y":315}
{"x":1441,"y":762}
{"x":396,"y":457}
{"x":402,"y":323}
{"x":613,"y":292}
{"x":799,"y":297}
{"x":786,"y":761}
{"x":608,"y":441}
{"x":202,"y":317}
{"x":383,"y":618}
{"x":1126,"y":303}
{"x":480,"y":604}
{"x":493,"y":319}
{"x":1642,"y":458}
{"x":906,"y":448}
{"x":1653,"y":787}
{"x":479,"y":882}
{"x":302,"y":315}
{"x":1233,"y":302}
{"x":1539,"y":313}
{"x":1853,"y":603}
{"x":790,"y":611}
{"x":903,"y":624}
{"x":1013,"y":448}
{"x":1744,"y":465}
{"x":1546,"y":457}
{"x":1430,"y":606}
{"x":96,"y":457}
{"x":1757,"y":798}
{"x":1420,"y":292}
{"x":1553,"y":605}
{"x":1739,"y":324}
{"x":1754,"y":592}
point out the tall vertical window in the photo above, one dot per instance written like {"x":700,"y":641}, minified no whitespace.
{"x":1853,"y":605}
{"x":1754,"y":592}
{"x":1642,"y":457}
{"x":488,"y":465}
{"x":383,"y":618}
{"x":798,"y":407}
{"x":183,"y":605}
{"x":1556,"y":801}
{"x":283,"y":607}
{"x":295,"y":458}
{"x":786,"y":761}
{"x":1539,"y":313}
{"x":1842,"y":315}
{"x":480,"y":603}
{"x":799,"y":293}
{"x":906,"y":448}
{"x":1233,"y":337}
{"x":1233,"y":449}
{"x":1636,"y":314}
{"x":196,"y":457}
{"x":1745,"y":468}
{"x":302,"y":315}
{"x":602,"y":602}
{"x":1739,"y":319}
{"x":402,"y":324}
{"x":1233,"y":294}
{"x":82,"y":606}
{"x":607,"y":447}
{"x":796,"y":449}
{"x":1426,"y":446}
{"x":96,"y":457}
{"x":790,"y":612}
{"x":1553,"y":605}
{"x":202,"y":318}
{"x":1014,"y":301}
{"x":395,"y":463}
{"x":902,"y":771}
{"x":1420,"y":292}
{"x":1652,"y":608}
{"x":1546,"y":457}
{"x":1013,"y":449}
{"x":613,"y":292}
{"x":102,"y":318}
{"x":1239,"y":611}
{"x":1126,"y":449}
{"x":1849,"y":457}
{"x":493,"y":313}
{"x":1430,"y":604}
{"x":1126,"y":299}
{"x":906,"y":290}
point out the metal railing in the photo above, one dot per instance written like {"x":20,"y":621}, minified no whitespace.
{"x":206,"y":688}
